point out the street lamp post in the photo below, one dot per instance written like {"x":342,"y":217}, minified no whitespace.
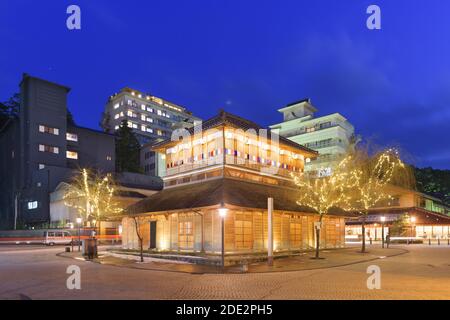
{"x":383,"y":220}
{"x":223,"y":213}
{"x":71,"y":227}
{"x":79,"y":233}
{"x":413,"y":221}
{"x":95,"y":226}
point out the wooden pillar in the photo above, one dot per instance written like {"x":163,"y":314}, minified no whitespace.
{"x":270,"y":231}
{"x":202,"y":215}
{"x":170,"y":232}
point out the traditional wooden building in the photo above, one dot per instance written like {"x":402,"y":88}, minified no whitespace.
{"x":421,"y":216}
{"x":229,"y":163}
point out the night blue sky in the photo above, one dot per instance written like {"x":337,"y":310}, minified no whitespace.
{"x":249,"y":57}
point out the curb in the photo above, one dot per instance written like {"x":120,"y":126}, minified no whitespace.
{"x":404,"y":251}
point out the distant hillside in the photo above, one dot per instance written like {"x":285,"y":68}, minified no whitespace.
{"x":434,"y":182}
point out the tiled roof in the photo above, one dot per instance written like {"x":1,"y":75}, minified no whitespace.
{"x":229,"y":191}
{"x":226,"y":118}
{"x":423,"y":216}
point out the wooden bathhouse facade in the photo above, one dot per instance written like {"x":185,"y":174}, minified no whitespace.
{"x":229,"y":163}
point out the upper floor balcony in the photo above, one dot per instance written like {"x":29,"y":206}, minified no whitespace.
{"x":315,"y":128}
{"x":260,"y":165}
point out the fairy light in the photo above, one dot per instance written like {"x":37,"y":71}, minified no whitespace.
{"x":374,"y":175}
{"x":92,"y":196}
{"x":323,"y":193}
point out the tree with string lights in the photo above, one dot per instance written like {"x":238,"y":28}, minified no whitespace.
{"x":376,"y":174}
{"x":324,"y":193}
{"x":92,"y":195}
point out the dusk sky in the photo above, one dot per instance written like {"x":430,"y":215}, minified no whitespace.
{"x":249,"y":57}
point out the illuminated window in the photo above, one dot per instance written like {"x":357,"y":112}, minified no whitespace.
{"x":32,"y":205}
{"x":295,"y":235}
{"x":109,"y":158}
{"x":159,"y":132}
{"x":143,"y":117}
{"x":143,"y":128}
{"x":71,"y":137}
{"x":132,"y":125}
{"x":243,"y":231}
{"x":116,"y":127}
{"x":45,"y":129}
{"x":130,"y":113}
{"x":41,"y":166}
{"x":116,"y":106}
{"x":143,"y":107}
{"x":71,"y":155}
{"x":185,"y":235}
{"x":117,"y":116}
{"x":45,"y":148}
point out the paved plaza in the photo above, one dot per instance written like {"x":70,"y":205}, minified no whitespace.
{"x":35,"y":272}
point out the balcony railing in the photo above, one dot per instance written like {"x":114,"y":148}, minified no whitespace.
{"x":230,"y":160}
{"x":301,"y":131}
{"x":332,"y":143}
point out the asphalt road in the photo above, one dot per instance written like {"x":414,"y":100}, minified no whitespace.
{"x":35,"y":272}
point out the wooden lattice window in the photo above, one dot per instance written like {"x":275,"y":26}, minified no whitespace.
{"x":295,"y":235}
{"x":243,"y":231}
{"x":185,"y":235}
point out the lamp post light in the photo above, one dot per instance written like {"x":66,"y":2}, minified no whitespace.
{"x":413,"y":221}
{"x":95,"y":226}
{"x":79,"y":233}
{"x":71,"y":242}
{"x":383,"y":220}
{"x":223,"y":213}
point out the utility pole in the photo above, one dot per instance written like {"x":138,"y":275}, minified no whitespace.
{"x":270,"y":231}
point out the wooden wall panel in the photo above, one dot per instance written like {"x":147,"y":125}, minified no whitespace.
{"x":174,"y":231}
{"x":208,"y":225}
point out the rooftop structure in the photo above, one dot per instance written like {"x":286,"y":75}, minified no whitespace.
{"x":331,"y":135}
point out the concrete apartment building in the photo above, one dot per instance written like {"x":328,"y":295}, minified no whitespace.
{"x":152,"y":119}
{"x":39,"y":151}
{"x":330,"y":135}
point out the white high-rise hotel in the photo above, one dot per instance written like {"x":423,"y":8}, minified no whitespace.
{"x":330,"y":135}
{"x":152,"y":119}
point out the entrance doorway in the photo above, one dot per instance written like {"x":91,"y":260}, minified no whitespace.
{"x":152,"y":235}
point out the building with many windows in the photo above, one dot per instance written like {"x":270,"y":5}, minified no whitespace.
{"x":39,"y":150}
{"x":234,"y":165}
{"x":151,"y":118}
{"x":330,"y":135}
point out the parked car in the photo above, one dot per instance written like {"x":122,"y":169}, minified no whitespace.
{"x":57,"y":237}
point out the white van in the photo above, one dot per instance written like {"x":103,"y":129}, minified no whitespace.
{"x":57,"y":237}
